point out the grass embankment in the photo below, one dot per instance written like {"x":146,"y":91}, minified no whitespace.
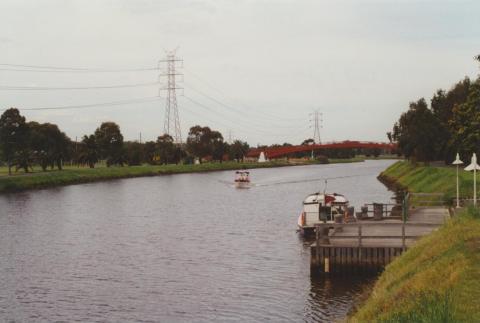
{"x":438,"y":279}
{"x":74,"y":175}
{"x":430,"y":179}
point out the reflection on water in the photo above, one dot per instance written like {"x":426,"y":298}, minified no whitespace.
{"x":174,"y":248}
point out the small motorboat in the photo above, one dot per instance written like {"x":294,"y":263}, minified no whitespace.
{"x":321,"y":208}
{"x":242,"y":179}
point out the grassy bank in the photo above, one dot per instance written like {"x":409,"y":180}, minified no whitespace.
{"x":74,"y":175}
{"x":430,"y":179}
{"x":437,"y":280}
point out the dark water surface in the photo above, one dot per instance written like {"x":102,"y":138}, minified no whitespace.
{"x":174,"y":248}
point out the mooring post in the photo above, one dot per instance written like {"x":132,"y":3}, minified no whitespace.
{"x":359,"y":235}
{"x":359,"y":243}
{"x":317,"y":247}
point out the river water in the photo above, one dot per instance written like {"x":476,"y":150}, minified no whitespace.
{"x":175,"y":248}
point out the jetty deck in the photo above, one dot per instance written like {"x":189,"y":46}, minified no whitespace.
{"x":370,"y":245}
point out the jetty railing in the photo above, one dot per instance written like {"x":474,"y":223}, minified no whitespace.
{"x":354,"y":253}
{"x":380,"y":210}
{"x":323,"y":237}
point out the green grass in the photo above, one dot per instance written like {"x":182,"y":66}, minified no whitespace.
{"x":72,"y":175}
{"x":431,"y":179}
{"x":437,"y":280}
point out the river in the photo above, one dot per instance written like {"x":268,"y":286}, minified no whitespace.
{"x":176,"y":248}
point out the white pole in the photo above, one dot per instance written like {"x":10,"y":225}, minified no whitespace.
{"x":475,"y":184}
{"x":458,"y":202}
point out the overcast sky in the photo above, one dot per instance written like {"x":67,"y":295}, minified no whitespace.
{"x":253,"y":68}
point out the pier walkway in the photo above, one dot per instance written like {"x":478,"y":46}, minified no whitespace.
{"x":368,"y":244}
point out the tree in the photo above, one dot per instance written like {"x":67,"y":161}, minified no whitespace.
{"x":88,"y":151}
{"x":50,"y":146}
{"x":238,"y":150}
{"x":110,"y":142}
{"x":13,"y":139}
{"x":134,"y":153}
{"x":416,"y":132}
{"x":201,"y":141}
{"x":308,"y":141}
{"x":465,"y":123}
{"x":443,"y":104}
{"x":165,"y":149}
{"x":219,"y":147}
{"x":149,"y":152}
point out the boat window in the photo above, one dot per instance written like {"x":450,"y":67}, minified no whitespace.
{"x":324,"y":213}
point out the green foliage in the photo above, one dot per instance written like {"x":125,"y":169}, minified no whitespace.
{"x":14,"y":139}
{"x":134,"y":153}
{"x":465,"y":123}
{"x":450,"y":126}
{"x":237,"y":150}
{"x":88,"y":151}
{"x":417,"y":131}
{"x":203,"y":142}
{"x":109,"y":140}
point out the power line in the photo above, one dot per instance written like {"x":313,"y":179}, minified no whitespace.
{"x":55,"y":69}
{"x":93,"y":105}
{"x":274,"y":116}
{"x":254,"y":130}
{"x":238,"y":111}
{"x":46,"y":88}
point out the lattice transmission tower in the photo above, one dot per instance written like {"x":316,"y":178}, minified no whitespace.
{"x":317,"y":124}
{"x":171,"y":124}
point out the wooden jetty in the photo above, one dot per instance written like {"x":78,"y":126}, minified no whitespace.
{"x":370,"y":245}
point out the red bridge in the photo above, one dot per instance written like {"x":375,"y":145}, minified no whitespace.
{"x":275,"y":152}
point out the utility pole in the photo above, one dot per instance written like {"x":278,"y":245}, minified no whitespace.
{"x":317,"y":124}
{"x":171,"y":124}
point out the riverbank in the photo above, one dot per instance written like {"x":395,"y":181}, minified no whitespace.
{"x":438,"y":279}
{"x":428,"y":179}
{"x":75,"y":175}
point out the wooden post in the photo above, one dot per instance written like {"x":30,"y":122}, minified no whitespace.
{"x":359,"y":235}
{"x":317,"y":233}
{"x":403,"y":237}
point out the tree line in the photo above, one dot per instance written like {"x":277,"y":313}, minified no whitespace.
{"x":437,"y":131}
{"x":26,"y":144}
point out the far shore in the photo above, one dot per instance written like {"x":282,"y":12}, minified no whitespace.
{"x":20,"y":181}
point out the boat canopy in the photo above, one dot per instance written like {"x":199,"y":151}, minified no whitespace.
{"x":327,"y":198}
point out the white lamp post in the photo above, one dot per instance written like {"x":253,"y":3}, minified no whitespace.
{"x":474,"y":166}
{"x":457,"y":162}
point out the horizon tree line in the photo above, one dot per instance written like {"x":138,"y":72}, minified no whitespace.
{"x":26,"y":144}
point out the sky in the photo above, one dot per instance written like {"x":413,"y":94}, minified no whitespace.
{"x":253,"y":70}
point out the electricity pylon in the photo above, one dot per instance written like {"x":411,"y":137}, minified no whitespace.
{"x":317,"y":124}
{"x":171,"y":124}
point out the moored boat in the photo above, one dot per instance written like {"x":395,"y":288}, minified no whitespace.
{"x":321,"y":208}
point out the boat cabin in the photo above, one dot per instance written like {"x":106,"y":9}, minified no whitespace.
{"x":321,"y":208}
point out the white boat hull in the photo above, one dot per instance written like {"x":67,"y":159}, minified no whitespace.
{"x":242,"y":184}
